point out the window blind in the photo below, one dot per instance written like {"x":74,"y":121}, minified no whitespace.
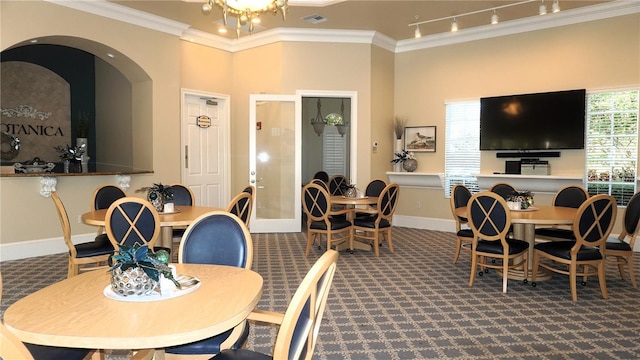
{"x":334,"y":149}
{"x":462,"y":145}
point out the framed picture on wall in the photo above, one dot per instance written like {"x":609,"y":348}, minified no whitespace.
{"x":420,"y":138}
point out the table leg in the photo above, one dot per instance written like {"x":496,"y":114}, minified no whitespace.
{"x":166,"y":237}
{"x":527,"y":232}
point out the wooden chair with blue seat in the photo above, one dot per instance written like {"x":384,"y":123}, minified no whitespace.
{"x":102,"y":198}
{"x":337,"y":184}
{"x":241,"y":206}
{"x":460,"y":196}
{"x":490,"y":218}
{"x":373,"y":189}
{"x":316,"y":203}
{"x":217,"y":238}
{"x":84,"y":256}
{"x":619,"y":251}
{"x":504,"y":190}
{"x":182,"y":196}
{"x":380,"y":220}
{"x":591,"y":227}
{"x":132,"y":220}
{"x":322,"y":175}
{"x":569,"y":196}
{"x":300,"y":324}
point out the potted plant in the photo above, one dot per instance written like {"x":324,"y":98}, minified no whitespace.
{"x":406,"y":159}
{"x":71,"y":157}
{"x":158,"y":195}
{"x":136,"y":270}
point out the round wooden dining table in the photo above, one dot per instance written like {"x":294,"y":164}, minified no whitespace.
{"x":181,"y":216}
{"x":524,"y":227}
{"x":352,"y":202}
{"x":77,"y":312}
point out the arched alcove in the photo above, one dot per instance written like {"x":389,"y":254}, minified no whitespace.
{"x":110,"y":100}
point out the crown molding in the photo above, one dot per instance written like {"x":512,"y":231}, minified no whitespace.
{"x":536,"y":22}
{"x":184,"y":32}
{"x":124,"y":14}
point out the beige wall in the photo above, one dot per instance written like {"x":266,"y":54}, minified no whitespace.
{"x":416,"y":84}
{"x":593,"y":55}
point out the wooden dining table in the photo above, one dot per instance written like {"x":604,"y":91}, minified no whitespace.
{"x":77,"y":312}
{"x":181,"y":216}
{"x":524,"y":227}
{"x":352,"y":203}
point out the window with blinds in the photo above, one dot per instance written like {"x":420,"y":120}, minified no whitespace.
{"x":612,"y":143}
{"x":462,"y":145}
{"x":334,"y":152}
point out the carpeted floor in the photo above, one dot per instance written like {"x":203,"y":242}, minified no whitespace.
{"x":415,"y":304}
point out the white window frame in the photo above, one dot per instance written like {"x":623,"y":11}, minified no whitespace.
{"x":611,"y":165}
{"x":462,"y":145}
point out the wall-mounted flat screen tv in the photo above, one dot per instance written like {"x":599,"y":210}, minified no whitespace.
{"x":541,"y":121}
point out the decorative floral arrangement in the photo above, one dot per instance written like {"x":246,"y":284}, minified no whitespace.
{"x":70,"y":153}
{"x":400,"y":157}
{"x":398,"y":126}
{"x":525,"y":198}
{"x":139,"y":256}
{"x":157,"y":190}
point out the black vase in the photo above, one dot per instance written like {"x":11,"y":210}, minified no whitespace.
{"x":75,"y":166}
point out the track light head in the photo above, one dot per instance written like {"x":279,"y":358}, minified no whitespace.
{"x":494,"y":17}
{"x":454,"y":25}
{"x":417,"y":34}
{"x":542,"y":10}
{"x":555,"y":7}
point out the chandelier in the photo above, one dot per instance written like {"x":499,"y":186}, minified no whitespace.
{"x":247,"y":11}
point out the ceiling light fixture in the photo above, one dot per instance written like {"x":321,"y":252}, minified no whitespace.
{"x":417,"y":34}
{"x":555,"y":7}
{"x":494,"y":17}
{"x":542,"y":10}
{"x":247,"y":11}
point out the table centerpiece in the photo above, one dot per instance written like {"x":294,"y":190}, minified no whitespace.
{"x":157,"y":195}
{"x":137,"y":271}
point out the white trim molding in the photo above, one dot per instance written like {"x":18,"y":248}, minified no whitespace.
{"x":417,"y":179}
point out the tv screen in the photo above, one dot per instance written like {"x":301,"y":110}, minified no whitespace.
{"x":542,"y":121}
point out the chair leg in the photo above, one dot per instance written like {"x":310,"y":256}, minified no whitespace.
{"x":505,"y":274}
{"x":534,"y":267}
{"x":474,"y":262}
{"x":457,"y":252}
{"x":621,"y":264}
{"x":72,"y":269}
{"x":389,"y":240}
{"x":310,"y":241}
{"x":376,"y":245}
{"x":572,"y":281}
{"x":602,"y":279}
{"x":632,"y":275}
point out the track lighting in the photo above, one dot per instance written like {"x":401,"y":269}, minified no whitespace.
{"x":417,"y":34}
{"x":454,"y":25}
{"x":494,"y":17}
{"x":542,"y":10}
{"x":555,"y":7}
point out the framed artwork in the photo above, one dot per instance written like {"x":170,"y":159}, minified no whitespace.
{"x":420,"y":138}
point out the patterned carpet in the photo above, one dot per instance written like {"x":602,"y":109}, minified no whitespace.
{"x":415,"y":304}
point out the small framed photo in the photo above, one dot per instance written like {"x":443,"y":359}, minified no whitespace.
{"x":420,"y":138}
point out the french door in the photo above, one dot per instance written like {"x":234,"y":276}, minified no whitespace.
{"x":275,"y":162}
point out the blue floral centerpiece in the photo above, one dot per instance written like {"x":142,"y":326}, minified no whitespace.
{"x":157,"y":195}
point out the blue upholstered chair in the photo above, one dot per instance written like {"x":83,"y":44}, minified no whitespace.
{"x":132,"y":220}
{"x":316,"y":204}
{"x":569,"y":196}
{"x":380,"y":220}
{"x":620,"y":250}
{"x":218,"y":238}
{"x":337,"y":184}
{"x":102,"y":198}
{"x":300,"y":324}
{"x":503,"y":189}
{"x":182,"y":195}
{"x":584,"y":256}
{"x":490,"y":218}
{"x":322,"y":175}
{"x":460,"y":196}
{"x":95,"y":253}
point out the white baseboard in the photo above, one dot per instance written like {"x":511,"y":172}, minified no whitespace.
{"x":27,"y":249}
{"x":32,"y":248}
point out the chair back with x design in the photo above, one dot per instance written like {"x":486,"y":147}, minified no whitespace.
{"x":132,"y":220}
{"x":387,"y":201}
{"x":488,"y":216}
{"x":241,"y":206}
{"x":337,"y":184}
{"x":315,"y":201}
{"x":594,"y":221}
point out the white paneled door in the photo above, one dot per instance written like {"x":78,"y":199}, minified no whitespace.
{"x":205,"y":147}
{"x":274,"y":165}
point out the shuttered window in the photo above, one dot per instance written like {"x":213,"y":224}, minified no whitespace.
{"x":612,"y":143}
{"x":334,"y":152}
{"x":462,"y":145}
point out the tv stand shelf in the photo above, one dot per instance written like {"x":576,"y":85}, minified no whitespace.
{"x":528,"y":154}
{"x":534,"y":183}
